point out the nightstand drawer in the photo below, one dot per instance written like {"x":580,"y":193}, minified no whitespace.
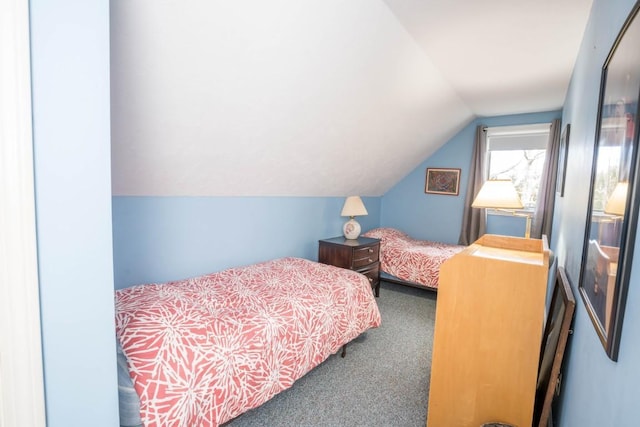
{"x":372,"y":272}
{"x":365,"y":255}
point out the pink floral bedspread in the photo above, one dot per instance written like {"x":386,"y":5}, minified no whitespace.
{"x":409,"y":259}
{"x":204,"y":350}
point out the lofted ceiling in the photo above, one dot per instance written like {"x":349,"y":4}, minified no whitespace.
{"x":320,"y":97}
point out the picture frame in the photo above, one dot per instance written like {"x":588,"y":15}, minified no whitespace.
{"x":443,"y":181}
{"x":554,"y":342}
{"x":563,"y":156}
{"x":612,"y":213}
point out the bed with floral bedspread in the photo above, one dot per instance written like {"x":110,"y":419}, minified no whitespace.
{"x":204,"y":350}
{"x":411,"y":261}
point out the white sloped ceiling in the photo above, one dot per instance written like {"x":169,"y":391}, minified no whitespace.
{"x":281,"y":97}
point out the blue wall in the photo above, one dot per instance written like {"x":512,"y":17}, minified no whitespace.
{"x":72,"y":150}
{"x":436,"y":217}
{"x":157,"y":239}
{"x":597,"y":391}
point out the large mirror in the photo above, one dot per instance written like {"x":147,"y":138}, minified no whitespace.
{"x":613,"y":206}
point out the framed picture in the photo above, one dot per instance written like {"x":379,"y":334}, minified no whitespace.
{"x":563,"y":155}
{"x":554,"y":342}
{"x":612,"y":213}
{"x":442,"y":181}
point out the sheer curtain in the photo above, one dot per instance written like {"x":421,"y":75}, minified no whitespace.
{"x":543,"y":217}
{"x":474,"y":221}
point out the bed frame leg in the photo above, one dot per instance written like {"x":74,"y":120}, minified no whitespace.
{"x":344,"y":351}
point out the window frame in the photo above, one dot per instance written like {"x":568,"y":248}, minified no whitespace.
{"x":515,"y":131}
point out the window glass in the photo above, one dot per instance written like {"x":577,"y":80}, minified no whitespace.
{"x":518,"y":153}
{"x":608,"y":166}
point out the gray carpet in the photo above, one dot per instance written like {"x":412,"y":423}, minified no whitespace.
{"x":383,"y":380}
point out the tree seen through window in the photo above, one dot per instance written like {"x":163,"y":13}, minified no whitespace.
{"x":523,"y":167}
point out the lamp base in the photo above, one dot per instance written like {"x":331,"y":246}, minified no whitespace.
{"x":351,"y":229}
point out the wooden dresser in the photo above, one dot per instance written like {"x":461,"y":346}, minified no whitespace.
{"x":361,"y":254}
{"x":488,"y":331}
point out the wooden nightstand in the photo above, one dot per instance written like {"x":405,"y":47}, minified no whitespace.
{"x":361,"y":254}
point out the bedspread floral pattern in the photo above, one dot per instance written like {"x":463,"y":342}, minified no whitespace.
{"x":410,"y":259}
{"x":202,"y":351}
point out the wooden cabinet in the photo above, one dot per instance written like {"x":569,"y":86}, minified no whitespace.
{"x":361,"y":254}
{"x":488,"y":330}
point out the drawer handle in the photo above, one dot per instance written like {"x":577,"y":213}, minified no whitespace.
{"x":370,"y":279}
{"x":370,"y":250}
{"x":370,"y":260}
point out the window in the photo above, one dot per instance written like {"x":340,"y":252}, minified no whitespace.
{"x":518,"y":153}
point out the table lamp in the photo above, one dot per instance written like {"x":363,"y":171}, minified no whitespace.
{"x":500,"y":194}
{"x":353,"y":207}
{"x":617,"y":202}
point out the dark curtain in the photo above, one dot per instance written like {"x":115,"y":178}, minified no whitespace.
{"x":543,"y":217}
{"x":474,"y":221}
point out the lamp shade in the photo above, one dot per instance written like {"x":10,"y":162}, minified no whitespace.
{"x":353,"y":206}
{"x":498,"y":194}
{"x":617,"y":202}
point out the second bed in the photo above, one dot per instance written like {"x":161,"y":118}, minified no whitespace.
{"x":409,"y":261}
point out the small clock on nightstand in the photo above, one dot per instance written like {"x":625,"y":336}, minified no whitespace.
{"x":361,"y":255}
